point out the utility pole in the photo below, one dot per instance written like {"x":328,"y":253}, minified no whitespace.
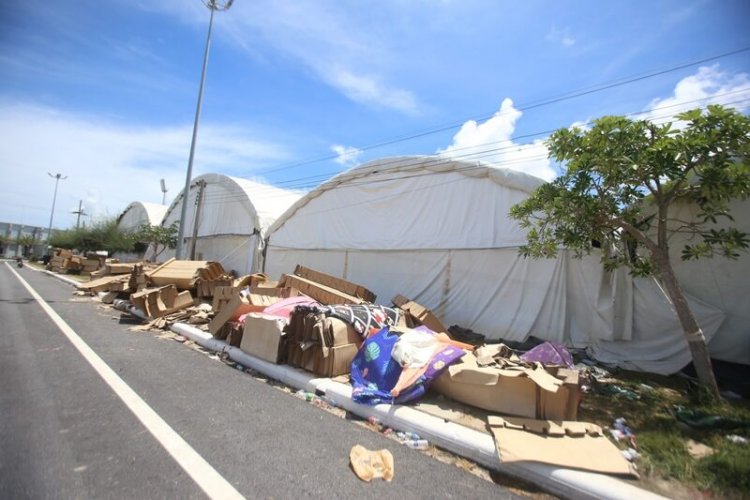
{"x":57,"y":178}
{"x":213,"y":5}
{"x":196,"y":222}
{"x":79,"y":212}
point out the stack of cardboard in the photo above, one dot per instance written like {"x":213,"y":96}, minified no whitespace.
{"x":318,"y":343}
{"x":59,"y":261}
{"x":325,"y":288}
{"x":184,"y":274}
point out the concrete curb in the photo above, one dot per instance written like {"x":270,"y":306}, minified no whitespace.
{"x":455,"y":438}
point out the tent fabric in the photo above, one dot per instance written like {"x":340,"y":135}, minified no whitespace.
{"x":233,"y":216}
{"x":719,"y":282}
{"x":437,"y":230}
{"x":140,"y":212}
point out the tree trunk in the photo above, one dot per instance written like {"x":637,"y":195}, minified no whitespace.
{"x":693,"y":332}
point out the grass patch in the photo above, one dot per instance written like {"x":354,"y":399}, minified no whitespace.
{"x":650,"y":403}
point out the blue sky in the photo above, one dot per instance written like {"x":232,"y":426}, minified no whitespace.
{"x":104,"y":92}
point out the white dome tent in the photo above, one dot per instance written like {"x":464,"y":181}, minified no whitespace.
{"x":437,"y":231}
{"x":233,"y":215}
{"x":133,"y":217}
{"x":140,"y":212}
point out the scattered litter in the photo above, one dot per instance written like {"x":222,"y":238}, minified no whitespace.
{"x":621,"y":432}
{"x":738,"y":439}
{"x":417,"y":444}
{"x":702,"y":420}
{"x":630,"y":454}
{"x":698,"y":450}
{"x":617,"y":391}
{"x":369,"y":465}
{"x":180,"y":338}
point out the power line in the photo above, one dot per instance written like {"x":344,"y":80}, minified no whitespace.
{"x":546,"y":102}
{"x":470,"y":154}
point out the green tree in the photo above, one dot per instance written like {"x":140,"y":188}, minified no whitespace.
{"x":160,"y":237}
{"x":102,"y":235}
{"x":622,"y":176}
{"x":26,"y":241}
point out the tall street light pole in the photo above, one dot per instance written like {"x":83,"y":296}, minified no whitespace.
{"x":213,"y":6}
{"x":57,"y":178}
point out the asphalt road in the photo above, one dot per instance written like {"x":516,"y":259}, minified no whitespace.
{"x":64,"y":433}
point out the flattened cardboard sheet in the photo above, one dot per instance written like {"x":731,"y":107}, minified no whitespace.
{"x":575,"y":445}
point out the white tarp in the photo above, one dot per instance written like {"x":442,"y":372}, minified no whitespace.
{"x":233,"y":216}
{"x":437,"y":231}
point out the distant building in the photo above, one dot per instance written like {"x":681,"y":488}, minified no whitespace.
{"x":22,"y":240}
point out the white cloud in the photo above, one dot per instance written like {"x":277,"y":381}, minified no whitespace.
{"x":347,"y":155}
{"x":708,"y":86}
{"x":491,"y":142}
{"x":561,"y":36}
{"x":318,"y":35}
{"x":108,"y":166}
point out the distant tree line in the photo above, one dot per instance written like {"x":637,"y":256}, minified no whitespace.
{"x":106,"y":236}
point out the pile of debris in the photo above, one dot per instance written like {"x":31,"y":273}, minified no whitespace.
{"x":65,"y":261}
{"x":330,"y":327}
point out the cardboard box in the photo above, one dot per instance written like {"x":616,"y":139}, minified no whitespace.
{"x":235,"y":332}
{"x":264,"y":337}
{"x":337,"y":362}
{"x":322,"y":293}
{"x":340,"y":284}
{"x":418,"y":314}
{"x":519,"y":391}
{"x":222,"y":295}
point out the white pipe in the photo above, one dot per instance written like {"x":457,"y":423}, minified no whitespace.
{"x":455,"y":438}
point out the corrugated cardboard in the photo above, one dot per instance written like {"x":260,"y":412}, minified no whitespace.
{"x":103,"y":284}
{"x":184,"y":273}
{"x":519,"y":391}
{"x":418,"y":314}
{"x":235,"y":332}
{"x":263,"y":337}
{"x":236,"y":307}
{"x":340,"y":284}
{"x":157,"y":302}
{"x":262,"y":296}
{"x":577,"y":445}
{"x":257,"y":300}
{"x":321,"y":293}
{"x":337,"y":362}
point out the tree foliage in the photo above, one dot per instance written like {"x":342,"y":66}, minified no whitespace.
{"x":622,"y":176}
{"x":104,"y":235}
{"x":160,"y":237}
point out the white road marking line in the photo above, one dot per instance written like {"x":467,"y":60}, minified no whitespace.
{"x":209,"y":480}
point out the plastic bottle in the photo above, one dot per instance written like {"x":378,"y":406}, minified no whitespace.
{"x":417,"y":444}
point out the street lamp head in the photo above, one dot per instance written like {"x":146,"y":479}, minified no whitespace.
{"x":216,"y":5}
